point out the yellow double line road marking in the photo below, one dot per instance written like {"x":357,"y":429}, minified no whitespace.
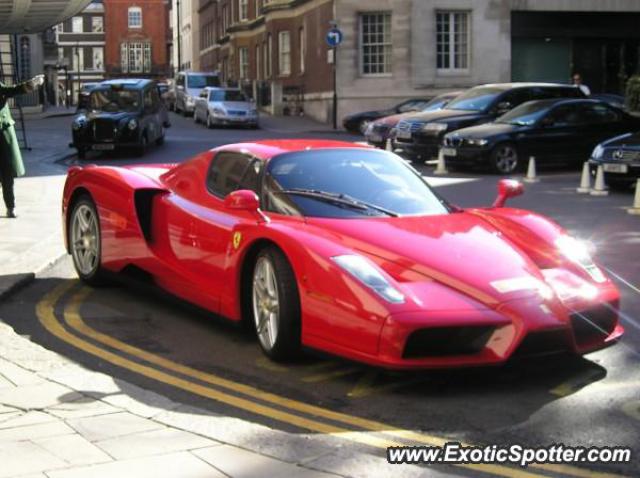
{"x":45,"y":310}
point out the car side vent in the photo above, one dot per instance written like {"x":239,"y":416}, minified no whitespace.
{"x":447,"y":341}
{"x":143,"y":199}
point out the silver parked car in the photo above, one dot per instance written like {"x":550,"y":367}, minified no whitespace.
{"x":225,"y":106}
{"x":188,"y":85}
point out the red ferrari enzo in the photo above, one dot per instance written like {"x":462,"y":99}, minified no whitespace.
{"x":345,"y":249}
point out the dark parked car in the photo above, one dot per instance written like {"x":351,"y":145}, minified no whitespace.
{"x":553,"y":131}
{"x":620,"y":160}
{"x":358,"y":123}
{"x":382,"y":129}
{"x":422,"y":135}
{"x":121,"y":114}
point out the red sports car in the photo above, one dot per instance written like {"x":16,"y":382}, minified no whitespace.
{"x":345,"y":249}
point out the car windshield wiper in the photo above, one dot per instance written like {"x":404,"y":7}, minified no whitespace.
{"x":338,"y":199}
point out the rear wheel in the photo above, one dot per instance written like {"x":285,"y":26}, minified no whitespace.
{"x":275,"y":304}
{"x":504,"y":158}
{"x":85,"y":242}
{"x":209,"y":122}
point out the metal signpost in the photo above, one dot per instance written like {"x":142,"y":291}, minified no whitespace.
{"x":334,"y":38}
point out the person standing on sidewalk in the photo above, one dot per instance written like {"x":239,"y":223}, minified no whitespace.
{"x":11,"y":165}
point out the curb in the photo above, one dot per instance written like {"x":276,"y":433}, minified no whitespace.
{"x":11,"y":284}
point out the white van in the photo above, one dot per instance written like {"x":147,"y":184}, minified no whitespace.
{"x":188,"y":86}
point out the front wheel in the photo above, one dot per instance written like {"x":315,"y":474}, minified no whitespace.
{"x":142,"y":147}
{"x":85,"y":242}
{"x":209,"y":122}
{"x":504,"y":158}
{"x":275,"y":304}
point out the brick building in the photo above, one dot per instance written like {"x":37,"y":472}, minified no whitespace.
{"x":268,"y":47}
{"x":136,"y":38}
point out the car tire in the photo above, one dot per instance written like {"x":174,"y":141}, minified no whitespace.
{"x":275,"y":305}
{"x":142,"y":147}
{"x":85,"y":241}
{"x":209,"y":122}
{"x":504,"y":159}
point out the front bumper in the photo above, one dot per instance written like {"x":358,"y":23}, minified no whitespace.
{"x":228,"y":120}
{"x":466,"y":156}
{"x":424,"y":145}
{"x":616,"y":170}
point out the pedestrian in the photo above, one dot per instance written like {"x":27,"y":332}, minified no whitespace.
{"x":11,"y":165}
{"x":577,"y":80}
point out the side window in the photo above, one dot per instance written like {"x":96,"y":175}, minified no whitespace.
{"x":180,"y":80}
{"x":229,"y":172}
{"x":599,"y":114}
{"x":148,"y":99}
{"x":155,"y":98}
{"x":566,"y":115}
{"x":516,"y":97}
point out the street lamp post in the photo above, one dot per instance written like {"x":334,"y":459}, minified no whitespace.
{"x":179,"y":65}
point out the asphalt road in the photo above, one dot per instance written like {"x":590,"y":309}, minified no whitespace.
{"x":587,"y":401}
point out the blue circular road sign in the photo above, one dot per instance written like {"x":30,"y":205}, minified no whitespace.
{"x":334,"y":37}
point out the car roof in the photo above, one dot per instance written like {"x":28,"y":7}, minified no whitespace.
{"x":509,"y":86}
{"x":128,"y":82}
{"x":549,"y":102}
{"x":267,"y":149}
{"x":220,"y":88}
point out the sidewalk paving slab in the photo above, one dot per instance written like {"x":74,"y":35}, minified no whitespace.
{"x":114,"y":425}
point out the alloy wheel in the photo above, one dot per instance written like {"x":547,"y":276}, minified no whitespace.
{"x":85,"y":240}
{"x":506,"y":159}
{"x":266,"y":305}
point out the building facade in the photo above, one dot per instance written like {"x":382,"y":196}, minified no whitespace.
{"x":136,"y":36}
{"x":80,"y":47}
{"x":186,"y":34}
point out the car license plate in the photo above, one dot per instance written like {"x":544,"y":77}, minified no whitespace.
{"x":103,"y":147}
{"x":615,"y":168}
{"x":403,"y":134}
{"x":449,"y":151}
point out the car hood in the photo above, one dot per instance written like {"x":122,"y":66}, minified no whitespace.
{"x":445,"y":114}
{"x":93,"y":115}
{"x":234,"y":105}
{"x":627,"y":141}
{"x":370,"y":114}
{"x":459,"y":250}
{"x":394,"y":119}
{"x":486,"y":130}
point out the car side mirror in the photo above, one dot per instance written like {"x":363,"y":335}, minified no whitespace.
{"x":507,"y":189}
{"x":245,"y":200}
{"x":503,"y":107}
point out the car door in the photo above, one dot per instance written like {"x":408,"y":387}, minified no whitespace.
{"x":554,"y":137}
{"x":215,"y":225}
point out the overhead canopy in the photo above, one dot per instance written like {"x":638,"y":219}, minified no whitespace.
{"x":33,"y":16}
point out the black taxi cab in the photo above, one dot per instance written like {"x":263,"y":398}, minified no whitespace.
{"x":125,"y":113}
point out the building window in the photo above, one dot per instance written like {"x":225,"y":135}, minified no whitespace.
{"x":375,"y":43}
{"x":452,"y":40}
{"x":97,"y":25}
{"x":135,"y":17}
{"x":243,"y":56}
{"x":25,"y":58}
{"x":243,"y":10}
{"x":284,"y":53}
{"x":98,"y":58}
{"x":135,"y":57}
{"x":76,"y":24}
{"x":302,"y":43}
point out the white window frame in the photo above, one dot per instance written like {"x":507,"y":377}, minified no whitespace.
{"x":77,"y":25}
{"x":453,"y":36}
{"x":302,"y":45}
{"x":284,"y":53}
{"x":135,"y":57}
{"x":132,"y":14}
{"x":243,"y":63}
{"x":243,"y":10}
{"x":97,"y":24}
{"x":387,"y":63}
{"x":98,"y":52}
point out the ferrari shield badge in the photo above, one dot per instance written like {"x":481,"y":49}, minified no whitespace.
{"x":237,"y":239}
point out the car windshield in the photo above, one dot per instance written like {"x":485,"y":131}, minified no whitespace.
{"x":347,"y":183}
{"x":524,"y":115}
{"x":202,"y":81}
{"x":227,"y":95}
{"x":437,"y":103}
{"x":476,"y":99}
{"x":112,"y":100}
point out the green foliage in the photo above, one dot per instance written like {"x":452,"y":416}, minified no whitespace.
{"x":633,"y":93}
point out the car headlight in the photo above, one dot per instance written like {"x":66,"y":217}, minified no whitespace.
{"x":189,"y":99}
{"x":369,"y":275}
{"x":579,"y":253}
{"x":132,"y":124}
{"x":77,"y":125}
{"x":598,"y":152}
{"x":435,"y":127}
{"x":219,"y":111}
{"x":477,"y":142}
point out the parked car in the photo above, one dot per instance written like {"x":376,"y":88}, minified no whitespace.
{"x":188,"y":87}
{"x":553,"y":131}
{"x":225,"y":107}
{"x":382,"y":129}
{"x":124,"y":113}
{"x":345,"y":249}
{"x":83,"y":95}
{"x":358,"y":123}
{"x":614,"y":100}
{"x":422,"y":134}
{"x":620,"y":160}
